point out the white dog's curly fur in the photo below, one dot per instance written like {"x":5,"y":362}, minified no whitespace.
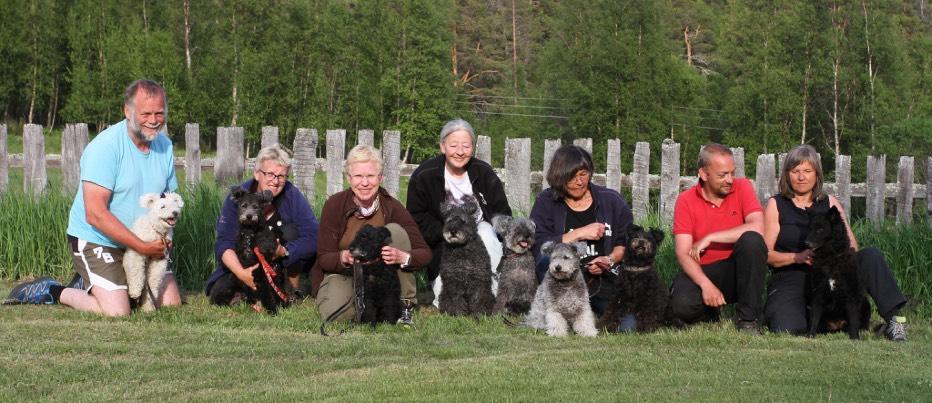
{"x":158,"y":223}
{"x":562,"y":299}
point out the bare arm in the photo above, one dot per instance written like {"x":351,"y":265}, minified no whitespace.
{"x":711,"y":295}
{"x":231,"y":261}
{"x":98,"y":215}
{"x":844,"y":217}
{"x":771,"y":232}
{"x":752,"y":222}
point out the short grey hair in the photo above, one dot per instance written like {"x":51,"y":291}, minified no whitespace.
{"x":361,"y":154}
{"x":151,"y":89}
{"x":456,"y":125}
{"x":273,"y":153}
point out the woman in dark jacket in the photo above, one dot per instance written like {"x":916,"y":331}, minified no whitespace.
{"x":455,"y":170}
{"x":575,"y":209}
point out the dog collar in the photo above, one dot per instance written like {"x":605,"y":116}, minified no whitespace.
{"x":636,"y":269}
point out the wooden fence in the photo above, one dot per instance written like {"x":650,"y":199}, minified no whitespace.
{"x":230,"y":165}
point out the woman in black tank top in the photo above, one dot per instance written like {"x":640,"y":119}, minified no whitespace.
{"x":786,"y":225}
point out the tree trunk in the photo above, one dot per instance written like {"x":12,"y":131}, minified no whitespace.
{"x":235,"y":74}
{"x":871,"y":74}
{"x":187,"y":37}
{"x":514,"y":49}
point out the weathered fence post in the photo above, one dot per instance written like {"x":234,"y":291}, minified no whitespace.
{"x":35,"y":177}
{"x":230,"y":163}
{"x":73,"y":141}
{"x":843,"y":182}
{"x":518,"y":173}
{"x":269,"y":136}
{"x":391,"y":158}
{"x":766,"y":181}
{"x":305,"y":158}
{"x":640,"y":181}
{"x":367,"y":137}
{"x":585,"y":143}
{"x":781,"y":158}
{"x":613,"y":165}
{"x":875,"y":183}
{"x":192,"y":153}
{"x":550,"y":147}
{"x":904,"y":191}
{"x":669,"y":177}
{"x":336,"y":150}
{"x":4,"y":163}
{"x":738,"y":152}
{"x":484,"y":149}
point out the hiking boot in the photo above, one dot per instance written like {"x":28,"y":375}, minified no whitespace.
{"x":894,"y":329}
{"x":33,"y":292}
{"x":76,"y":282}
{"x":407,"y":314}
{"x":748,"y":326}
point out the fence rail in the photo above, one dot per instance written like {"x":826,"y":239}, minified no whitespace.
{"x":230,"y":164}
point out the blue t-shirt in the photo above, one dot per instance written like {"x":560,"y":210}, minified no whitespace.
{"x":112,"y":161}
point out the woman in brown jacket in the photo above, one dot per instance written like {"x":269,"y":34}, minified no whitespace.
{"x":344,"y":213}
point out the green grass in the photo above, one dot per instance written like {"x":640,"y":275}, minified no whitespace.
{"x":205,"y":353}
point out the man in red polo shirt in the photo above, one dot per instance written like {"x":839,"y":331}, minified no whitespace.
{"x":717,"y":227}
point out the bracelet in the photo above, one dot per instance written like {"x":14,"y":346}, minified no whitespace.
{"x":611,"y":262}
{"x":406,"y":262}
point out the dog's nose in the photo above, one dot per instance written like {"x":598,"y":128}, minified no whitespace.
{"x":557,"y":268}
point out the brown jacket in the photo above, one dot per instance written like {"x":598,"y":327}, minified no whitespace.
{"x":333,"y":218}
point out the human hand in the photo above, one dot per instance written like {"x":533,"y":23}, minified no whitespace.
{"x":245,"y":276}
{"x":155,"y":249}
{"x":346,"y":258}
{"x":392,"y":255}
{"x":712,"y":296}
{"x":698,"y":248}
{"x":804,"y":257}
{"x":280,"y":251}
{"x":591,"y":232}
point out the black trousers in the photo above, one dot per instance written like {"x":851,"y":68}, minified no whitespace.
{"x":786,"y":309}
{"x":740,"y":278}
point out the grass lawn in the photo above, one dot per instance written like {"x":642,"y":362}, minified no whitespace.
{"x":199,"y":352}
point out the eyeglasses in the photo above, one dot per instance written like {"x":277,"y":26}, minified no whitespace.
{"x":581,"y":176}
{"x":271,"y":175}
{"x":367,"y":178}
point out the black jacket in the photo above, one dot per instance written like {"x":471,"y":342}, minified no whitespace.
{"x":426,"y":192}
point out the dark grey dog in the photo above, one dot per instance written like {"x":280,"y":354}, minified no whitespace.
{"x":464,"y":265}
{"x":562,"y":300}
{"x":517,"y":281}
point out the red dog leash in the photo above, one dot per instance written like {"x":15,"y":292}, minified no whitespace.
{"x":270,"y":274}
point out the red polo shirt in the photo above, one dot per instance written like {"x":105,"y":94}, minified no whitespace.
{"x":696,"y":216}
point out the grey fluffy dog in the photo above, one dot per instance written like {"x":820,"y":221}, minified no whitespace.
{"x":562,"y":300}
{"x":464,"y":265}
{"x":517,"y":281}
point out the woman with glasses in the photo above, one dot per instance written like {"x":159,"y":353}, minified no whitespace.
{"x":344,"y":213}
{"x":575,"y":209}
{"x":288,"y":208}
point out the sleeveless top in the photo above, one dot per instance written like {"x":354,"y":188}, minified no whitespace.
{"x":794,"y":225}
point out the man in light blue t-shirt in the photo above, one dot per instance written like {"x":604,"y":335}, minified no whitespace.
{"x":123,"y":162}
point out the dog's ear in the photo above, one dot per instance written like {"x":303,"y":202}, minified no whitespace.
{"x":658,"y":235}
{"x":579,"y":248}
{"x":385,"y":234}
{"x":634,"y":228}
{"x":547,"y":247}
{"x":237,"y":192}
{"x":470,"y":204}
{"x":147,"y":199}
{"x":500,"y":224}
{"x":834,"y":215}
{"x":265,"y":196}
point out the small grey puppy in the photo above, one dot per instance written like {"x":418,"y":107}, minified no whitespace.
{"x":562,"y":300}
{"x":517,"y":281}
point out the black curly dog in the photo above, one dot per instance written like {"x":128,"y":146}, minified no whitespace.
{"x":255,"y":232}
{"x":381,"y":288}
{"x":836,"y":296}
{"x":465,"y":266}
{"x":639,"y":289}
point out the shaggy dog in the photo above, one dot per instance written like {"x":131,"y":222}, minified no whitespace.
{"x":254,"y":233}
{"x":381,"y":290}
{"x":639,"y":289}
{"x":464,"y":265}
{"x":836,"y":297}
{"x":562,"y":300}
{"x":517,"y":281}
{"x":144,"y":275}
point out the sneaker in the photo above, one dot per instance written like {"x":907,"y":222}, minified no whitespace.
{"x":34,"y":292}
{"x":749,"y":327}
{"x":407,"y":314}
{"x":895,"y":328}
{"x":76,"y":282}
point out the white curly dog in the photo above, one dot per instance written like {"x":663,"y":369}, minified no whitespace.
{"x":562,"y":299}
{"x":142,"y":271}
